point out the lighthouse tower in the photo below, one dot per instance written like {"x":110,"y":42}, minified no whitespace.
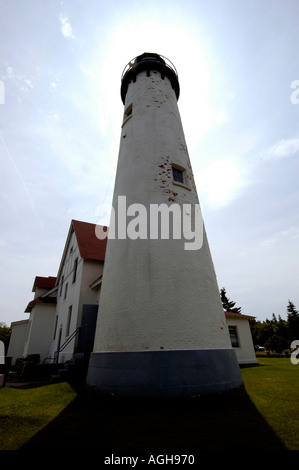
{"x":161,"y":329}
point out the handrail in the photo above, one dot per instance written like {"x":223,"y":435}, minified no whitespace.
{"x":61,"y":348}
{"x":70,"y":338}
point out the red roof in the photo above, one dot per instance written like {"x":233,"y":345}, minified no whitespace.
{"x":90,"y":246}
{"x":237,"y":315}
{"x":44,"y":282}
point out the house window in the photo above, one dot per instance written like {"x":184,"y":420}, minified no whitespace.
{"x":75,"y":270}
{"x":69,"y":317}
{"x":61,"y":285}
{"x":233,"y":336}
{"x":65,"y":290}
{"x":55,"y":327}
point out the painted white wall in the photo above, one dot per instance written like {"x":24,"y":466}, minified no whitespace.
{"x":17,"y":339}
{"x":40,"y":330}
{"x":156,"y":295}
{"x":68,"y":295}
{"x":40,"y":291}
{"x":91,"y":271}
{"x":245,"y":351}
{"x":77,"y":294}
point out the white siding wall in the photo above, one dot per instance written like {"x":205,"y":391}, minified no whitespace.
{"x":245,"y":351}
{"x":77,"y":294}
{"x":39,"y":291}
{"x":17,"y":339}
{"x":91,"y":271}
{"x":40,"y":331}
{"x":68,"y":296}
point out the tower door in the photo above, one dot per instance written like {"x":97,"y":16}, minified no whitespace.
{"x":88,"y":327}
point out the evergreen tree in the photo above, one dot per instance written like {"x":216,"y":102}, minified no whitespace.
{"x":293,"y":321}
{"x":281,"y":328}
{"x":228,"y":305}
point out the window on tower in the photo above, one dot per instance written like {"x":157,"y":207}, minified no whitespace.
{"x":128,"y":113}
{"x":129,"y":110}
{"x":178,"y":175}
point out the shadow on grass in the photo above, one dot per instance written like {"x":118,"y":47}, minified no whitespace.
{"x":118,"y":425}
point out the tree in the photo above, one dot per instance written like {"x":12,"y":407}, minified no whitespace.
{"x":274,"y":319}
{"x":281,"y":328}
{"x":261,"y":331}
{"x":276,"y":334}
{"x":293,"y":321}
{"x":277,"y":343}
{"x":228,"y":305}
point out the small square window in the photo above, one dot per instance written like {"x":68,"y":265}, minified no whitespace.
{"x":178,"y":175}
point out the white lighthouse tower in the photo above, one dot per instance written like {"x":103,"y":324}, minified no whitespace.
{"x":161,"y":329}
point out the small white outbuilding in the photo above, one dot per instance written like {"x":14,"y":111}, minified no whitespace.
{"x":241,"y":339}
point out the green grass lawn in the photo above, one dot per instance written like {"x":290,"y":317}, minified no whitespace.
{"x":273,"y":387}
{"x":24,"y":412}
{"x":263,"y":414}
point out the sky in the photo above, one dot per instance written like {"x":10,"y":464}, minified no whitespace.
{"x":60,"y":123}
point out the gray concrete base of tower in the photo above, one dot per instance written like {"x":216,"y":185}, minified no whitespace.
{"x":164,"y":373}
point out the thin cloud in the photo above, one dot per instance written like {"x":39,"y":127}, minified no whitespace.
{"x":291,"y":233}
{"x":22,"y":82}
{"x":282,"y":149}
{"x":66,"y":27}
